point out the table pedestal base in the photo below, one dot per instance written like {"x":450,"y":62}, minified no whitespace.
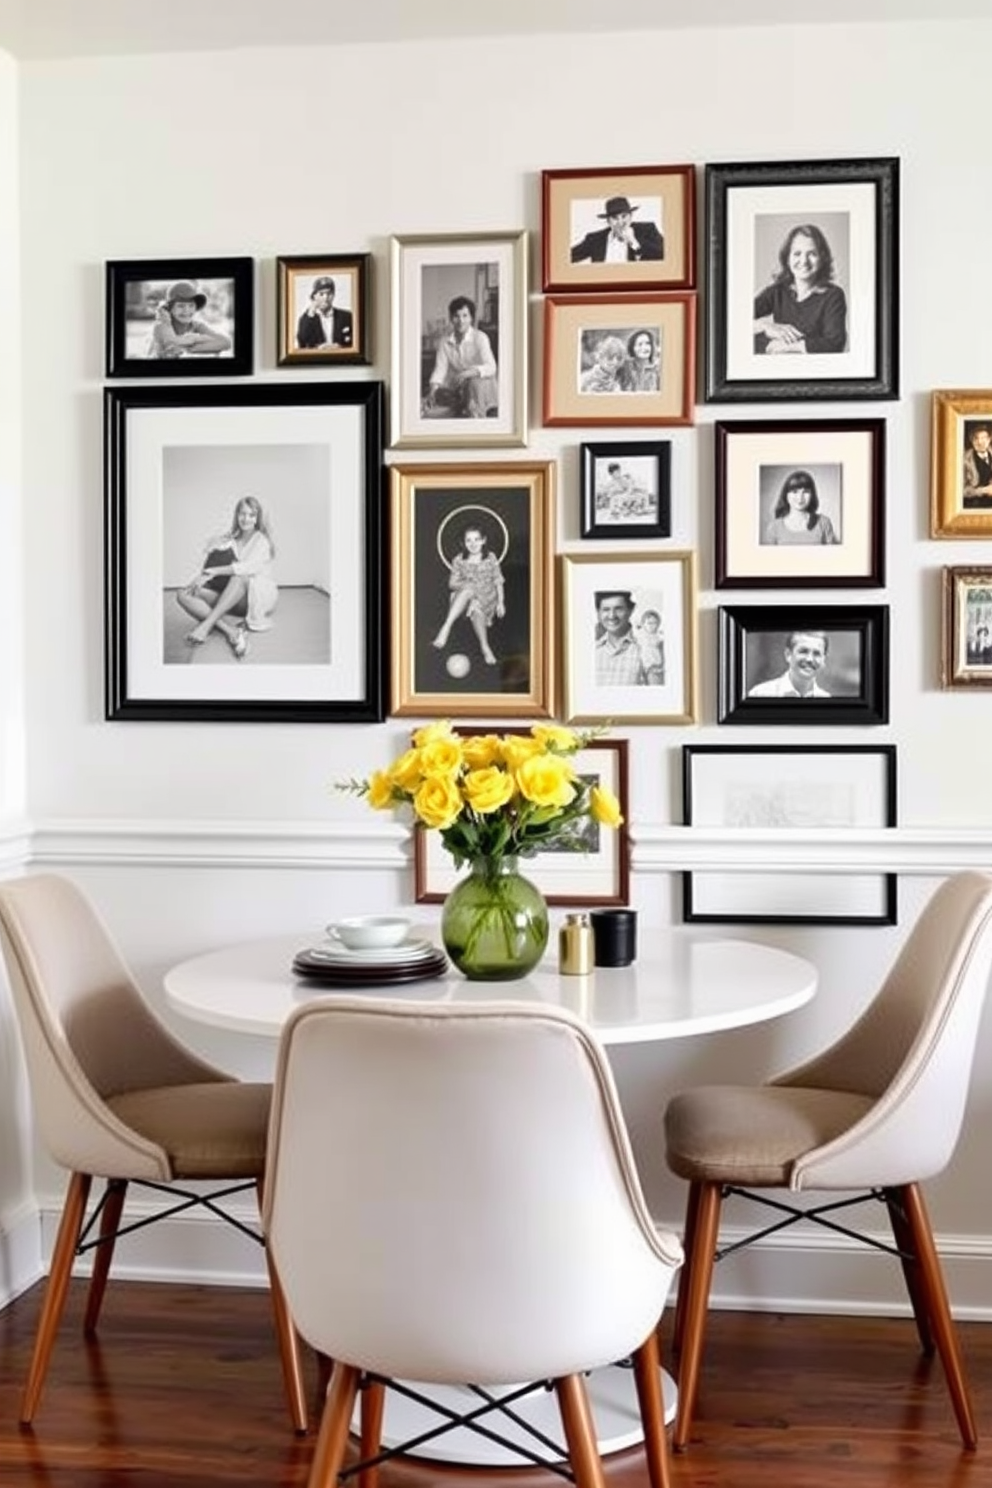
{"x":612,"y":1395}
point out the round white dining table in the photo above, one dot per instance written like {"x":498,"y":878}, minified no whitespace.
{"x":679,"y":987}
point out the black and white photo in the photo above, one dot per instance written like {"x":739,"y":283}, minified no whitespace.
{"x":179,"y":317}
{"x":617,"y":360}
{"x":625,"y":359}
{"x":803,"y":664}
{"x":459,"y":340}
{"x":626,"y":490}
{"x":966,"y":647}
{"x":961,"y":463}
{"x":471,"y":556}
{"x":802,"y":280}
{"x":244,"y":553}
{"x":322,"y":310}
{"x":628,"y":228}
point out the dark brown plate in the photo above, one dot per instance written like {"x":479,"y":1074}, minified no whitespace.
{"x":368,"y":976}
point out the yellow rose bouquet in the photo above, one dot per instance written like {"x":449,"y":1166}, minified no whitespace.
{"x":494,"y":798}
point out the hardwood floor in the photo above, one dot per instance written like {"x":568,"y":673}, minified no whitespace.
{"x":183,"y":1390}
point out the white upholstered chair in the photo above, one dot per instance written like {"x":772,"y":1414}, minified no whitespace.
{"x":871,"y":1117}
{"x":452,"y":1199}
{"x":116,"y":1097}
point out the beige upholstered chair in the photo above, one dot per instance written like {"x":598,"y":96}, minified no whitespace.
{"x":452,"y":1199}
{"x":879,"y":1111}
{"x":116,"y":1097}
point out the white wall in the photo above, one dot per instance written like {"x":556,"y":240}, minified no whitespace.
{"x":191,"y":835}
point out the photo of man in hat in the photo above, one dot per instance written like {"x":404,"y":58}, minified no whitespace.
{"x":322,"y":325}
{"x":622,"y":240}
{"x":181,"y":331}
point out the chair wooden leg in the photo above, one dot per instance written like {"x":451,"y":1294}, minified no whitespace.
{"x":682,"y":1291}
{"x":110,"y":1219}
{"x":647,"y":1377}
{"x":334,"y":1427}
{"x":59,"y":1272}
{"x":939,"y":1310}
{"x":289,"y":1344}
{"x":705,"y":1229}
{"x":580,"y":1431}
{"x":373,"y":1406}
{"x":903,"y":1236}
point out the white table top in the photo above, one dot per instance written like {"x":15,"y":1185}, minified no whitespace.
{"x":677,"y":988}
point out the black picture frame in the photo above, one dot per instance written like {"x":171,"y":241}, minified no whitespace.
{"x":843,"y":462}
{"x":172,"y":458}
{"x":753,"y":652}
{"x":136,"y":292}
{"x":641,"y":504}
{"x":297,"y":277}
{"x":752,"y":210}
{"x":784,"y":789}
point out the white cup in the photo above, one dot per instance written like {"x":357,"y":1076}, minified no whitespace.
{"x":369,"y":932}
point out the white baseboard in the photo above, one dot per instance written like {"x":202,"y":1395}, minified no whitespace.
{"x":21,"y":1252}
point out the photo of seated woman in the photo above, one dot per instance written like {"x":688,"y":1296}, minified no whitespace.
{"x":800,"y":299}
{"x":800,"y":506}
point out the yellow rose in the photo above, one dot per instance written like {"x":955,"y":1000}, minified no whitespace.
{"x":432,"y":731}
{"x":480,"y":750}
{"x":604,"y":806}
{"x":380,"y":792}
{"x":516,"y":748}
{"x":442,"y":756}
{"x":488,"y":789}
{"x":546,"y":779}
{"x":407,"y":772}
{"x":438,"y":801}
{"x":553,"y":736}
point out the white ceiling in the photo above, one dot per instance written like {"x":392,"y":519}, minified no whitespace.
{"x":65,"y":28}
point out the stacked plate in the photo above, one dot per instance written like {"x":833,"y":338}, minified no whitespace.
{"x":334,"y":965}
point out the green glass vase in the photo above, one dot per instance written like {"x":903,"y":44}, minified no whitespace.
{"x":494,"y":924}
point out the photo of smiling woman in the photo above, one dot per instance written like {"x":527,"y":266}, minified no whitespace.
{"x":803,"y":309}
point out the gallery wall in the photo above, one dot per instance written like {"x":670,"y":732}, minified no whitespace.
{"x":192,"y":835}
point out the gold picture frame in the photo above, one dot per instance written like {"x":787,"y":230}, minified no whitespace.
{"x":322,"y":310}
{"x":960,"y":496}
{"x":457,"y":596}
{"x":967,"y":640}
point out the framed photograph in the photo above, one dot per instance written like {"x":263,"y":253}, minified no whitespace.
{"x":802,"y":280}
{"x":459,"y":340}
{"x":803,"y":664}
{"x":322,"y":310}
{"x":967,"y":640}
{"x":807,"y":788}
{"x":961,"y":464}
{"x":622,"y":359}
{"x":244,"y":553}
{"x":472,"y":631}
{"x":628,"y":228}
{"x":800,"y":505}
{"x":628,"y":626}
{"x":180,"y":317}
{"x":596,"y":871}
{"x":626,"y":490}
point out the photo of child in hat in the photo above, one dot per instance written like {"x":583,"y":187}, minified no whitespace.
{"x":622,"y":240}
{"x":180,"y":330}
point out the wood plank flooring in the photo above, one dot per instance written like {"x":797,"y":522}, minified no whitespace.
{"x":183,"y":1390}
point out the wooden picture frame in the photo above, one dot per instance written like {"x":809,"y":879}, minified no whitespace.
{"x":966,"y":651}
{"x":840,"y":332}
{"x":180,"y":317}
{"x":803,"y":664}
{"x":433,"y":280}
{"x":814,"y":788}
{"x":960,"y":444}
{"x":626,"y":489}
{"x":629,"y":637}
{"x":592,"y":374}
{"x":305,"y":641}
{"x":322,"y":310}
{"x":439,"y":667}
{"x":654,"y":217}
{"x":800,"y":504}
{"x":598,"y":876}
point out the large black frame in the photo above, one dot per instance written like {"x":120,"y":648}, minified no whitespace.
{"x":122,"y":272}
{"x":815,"y":753}
{"x":869,"y":623}
{"x":720,"y":179}
{"x":121,"y":406}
